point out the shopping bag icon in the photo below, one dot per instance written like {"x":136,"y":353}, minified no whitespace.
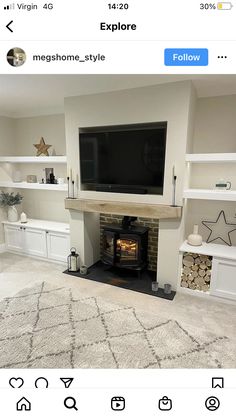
{"x":165,"y":403}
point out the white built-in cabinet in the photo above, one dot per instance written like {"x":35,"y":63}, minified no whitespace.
{"x":223,"y":278}
{"x":223,"y":271}
{"x":43,"y":239}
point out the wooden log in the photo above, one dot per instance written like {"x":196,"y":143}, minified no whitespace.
{"x":205,"y":288}
{"x":188,"y":261}
{"x":186,"y":270}
{"x":201,"y":272}
{"x":199,"y":281}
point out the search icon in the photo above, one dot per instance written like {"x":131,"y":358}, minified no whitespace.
{"x":70,"y":403}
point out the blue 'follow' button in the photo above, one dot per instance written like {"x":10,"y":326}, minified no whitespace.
{"x":186,"y":56}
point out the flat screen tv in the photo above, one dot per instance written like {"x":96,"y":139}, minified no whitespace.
{"x":124,"y":158}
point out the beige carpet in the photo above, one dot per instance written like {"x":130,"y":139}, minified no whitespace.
{"x":49,"y":327}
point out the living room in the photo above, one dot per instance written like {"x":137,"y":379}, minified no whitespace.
{"x":105,"y":320}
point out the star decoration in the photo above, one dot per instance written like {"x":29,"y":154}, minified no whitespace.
{"x":42,"y":148}
{"x":220,"y":229}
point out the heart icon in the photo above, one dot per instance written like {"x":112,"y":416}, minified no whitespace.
{"x":16,"y":382}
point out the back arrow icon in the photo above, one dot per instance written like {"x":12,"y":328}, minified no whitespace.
{"x":8,"y":26}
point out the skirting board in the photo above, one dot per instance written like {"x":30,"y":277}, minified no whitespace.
{"x":2,"y":248}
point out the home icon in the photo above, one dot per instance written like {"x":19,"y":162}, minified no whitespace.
{"x":23,"y":404}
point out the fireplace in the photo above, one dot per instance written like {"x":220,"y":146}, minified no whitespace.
{"x":125,"y":245}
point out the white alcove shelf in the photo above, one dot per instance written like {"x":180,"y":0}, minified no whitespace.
{"x":34,"y":159}
{"x":211,"y":158}
{"x":211,"y":249}
{"x":210,"y":194}
{"x":35,"y":186}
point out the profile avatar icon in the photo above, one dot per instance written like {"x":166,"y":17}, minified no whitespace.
{"x":212,"y":403}
{"x":16,"y":57}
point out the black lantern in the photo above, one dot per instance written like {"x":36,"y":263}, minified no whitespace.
{"x":73,"y":260}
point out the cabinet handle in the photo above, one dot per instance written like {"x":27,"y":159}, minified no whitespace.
{"x":47,"y":232}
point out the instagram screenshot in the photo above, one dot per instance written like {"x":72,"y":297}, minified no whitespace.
{"x":117,"y":209}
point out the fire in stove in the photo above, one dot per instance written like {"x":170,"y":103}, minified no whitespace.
{"x":126,"y":249}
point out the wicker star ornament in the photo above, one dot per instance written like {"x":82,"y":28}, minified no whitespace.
{"x":42,"y":148}
{"x":220,"y":229}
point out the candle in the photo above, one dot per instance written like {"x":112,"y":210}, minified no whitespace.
{"x":23,"y":218}
{"x":69,"y":172}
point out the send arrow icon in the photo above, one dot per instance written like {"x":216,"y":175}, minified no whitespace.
{"x":67,"y":381}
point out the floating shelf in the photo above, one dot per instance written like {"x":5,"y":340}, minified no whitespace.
{"x":25,"y":185}
{"x":211,"y":158}
{"x":34,"y":159}
{"x":210,"y":194}
{"x":211,"y":249}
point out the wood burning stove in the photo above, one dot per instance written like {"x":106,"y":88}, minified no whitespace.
{"x":125,"y":246}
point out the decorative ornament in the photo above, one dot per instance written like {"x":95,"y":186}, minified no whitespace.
{"x":220,"y":229}
{"x":195,"y":239}
{"x":23,"y":218}
{"x":42,"y":148}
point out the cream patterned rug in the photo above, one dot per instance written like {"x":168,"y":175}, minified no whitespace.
{"x":47,"y":327}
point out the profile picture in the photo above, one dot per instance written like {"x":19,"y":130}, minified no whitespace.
{"x":16,"y":57}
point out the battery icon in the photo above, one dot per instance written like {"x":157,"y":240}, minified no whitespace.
{"x":225,"y":5}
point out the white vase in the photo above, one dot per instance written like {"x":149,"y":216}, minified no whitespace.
{"x":12,"y":214}
{"x":195,"y":239}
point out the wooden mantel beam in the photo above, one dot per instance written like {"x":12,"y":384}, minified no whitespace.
{"x":159,"y":211}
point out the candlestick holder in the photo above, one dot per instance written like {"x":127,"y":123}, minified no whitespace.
{"x":73,"y":189}
{"x":68,"y":187}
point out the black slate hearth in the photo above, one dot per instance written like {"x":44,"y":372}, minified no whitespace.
{"x":123,"y":278}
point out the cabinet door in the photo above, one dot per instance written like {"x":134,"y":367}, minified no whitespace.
{"x":34,"y":242}
{"x":58,"y":245}
{"x":13,"y":238}
{"x":223,"y":278}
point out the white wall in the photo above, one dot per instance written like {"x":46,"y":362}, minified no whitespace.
{"x":215,"y":126}
{"x":170,"y":102}
{"x":28,"y":132}
{"x":6,"y":148}
{"x":215,"y":132}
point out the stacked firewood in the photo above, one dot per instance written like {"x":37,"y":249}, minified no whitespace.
{"x":196,"y":271}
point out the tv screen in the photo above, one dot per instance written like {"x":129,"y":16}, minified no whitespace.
{"x":123,"y":158}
